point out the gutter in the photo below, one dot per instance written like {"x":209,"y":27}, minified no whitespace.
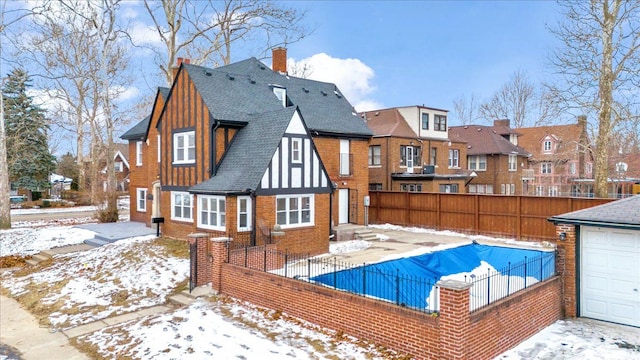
{"x":559,"y":220}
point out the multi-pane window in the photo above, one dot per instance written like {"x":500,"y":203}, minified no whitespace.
{"x":375,"y":186}
{"x":545,"y":168}
{"x":572,"y":168}
{"x":589,"y":168}
{"x":434,"y":155}
{"x":296,"y":150}
{"x":448,"y":188}
{"x":411,"y":187}
{"x":244,"y":213}
{"x":546,"y":146}
{"x":508,"y":189}
{"x":478,"y":162}
{"x":184,"y":147}
{"x":553,"y":191}
{"x":454,"y":158}
{"x":181,"y":206}
{"x":409,"y":156}
{"x":374,"y":155}
{"x":439,"y":123}
{"x":513,"y":162}
{"x":294,"y":210}
{"x":212,"y":213}
{"x":425,"y":121}
{"x":480,"y":189}
{"x":138,"y":153}
{"x":141,"y":200}
{"x":539,"y":190}
{"x":118,"y":166}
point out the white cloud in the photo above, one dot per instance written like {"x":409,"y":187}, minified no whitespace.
{"x":143,"y":34}
{"x":353,"y":77}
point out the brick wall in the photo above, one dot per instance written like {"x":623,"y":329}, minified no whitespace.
{"x":566,"y":266}
{"x":454,"y":333}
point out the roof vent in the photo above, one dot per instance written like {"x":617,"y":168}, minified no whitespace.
{"x":252,"y":81}
{"x":262,"y":67}
{"x":377,"y":113}
{"x":479,"y":129}
{"x":208,"y":73}
{"x":305,"y":89}
{"x":337,"y":94}
{"x":230,"y":77}
{"x":323,"y":92}
{"x":466,"y":127}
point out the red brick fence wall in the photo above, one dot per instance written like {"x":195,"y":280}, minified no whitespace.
{"x":453,"y":333}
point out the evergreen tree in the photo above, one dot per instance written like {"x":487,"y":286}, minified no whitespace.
{"x":28,"y":156}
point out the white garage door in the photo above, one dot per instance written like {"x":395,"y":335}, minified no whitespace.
{"x":610,"y":275}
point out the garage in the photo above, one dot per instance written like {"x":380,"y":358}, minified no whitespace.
{"x":610,"y":275}
{"x":601,"y":261}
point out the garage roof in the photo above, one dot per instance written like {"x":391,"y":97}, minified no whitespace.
{"x":624,"y":213}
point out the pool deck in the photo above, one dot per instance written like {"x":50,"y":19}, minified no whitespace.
{"x":399,"y":242}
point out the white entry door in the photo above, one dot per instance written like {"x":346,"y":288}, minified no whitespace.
{"x":343,"y":206}
{"x":610,"y":275}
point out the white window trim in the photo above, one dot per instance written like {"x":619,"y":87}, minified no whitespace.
{"x":454,"y":159}
{"x":513,"y":160}
{"x":159,"y":152}
{"x":138,"y":153}
{"x":185,"y":150}
{"x":298,"y":142}
{"x":477,"y":162}
{"x":173,"y":196}
{"x":218,"y":199}
{"x":544,"y":146}
{"x":138,"y":198}
{"x":311,"y":208}
{"x":249,"y":213}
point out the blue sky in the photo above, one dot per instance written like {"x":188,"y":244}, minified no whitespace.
{"x":431,"y":52}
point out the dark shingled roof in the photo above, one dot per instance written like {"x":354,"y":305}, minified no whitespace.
{"x":139,"y":130}
{"x":624,"y":213}
{"x":233,"y":91}
{"x":249,"y":155}
{"x":483,"y":140}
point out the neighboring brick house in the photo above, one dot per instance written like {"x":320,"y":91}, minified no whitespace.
{"x":494,"y":155}
{"x":411,"y":150}
{"x":121,"y":166}
{"x":243,"y":148}
{"x":561,"y":162}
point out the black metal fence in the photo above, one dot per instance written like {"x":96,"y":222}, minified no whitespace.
{"x":497,"y":284}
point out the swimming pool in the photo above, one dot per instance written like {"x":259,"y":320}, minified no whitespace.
{"x":410,"y":281}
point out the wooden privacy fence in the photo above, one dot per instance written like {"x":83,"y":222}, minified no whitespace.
{"x":521,"y":217}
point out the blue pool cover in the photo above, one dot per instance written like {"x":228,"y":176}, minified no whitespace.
{"x":408,"y":281}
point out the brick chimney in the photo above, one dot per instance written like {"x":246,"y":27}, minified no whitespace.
{"x":502,"y":122}
{"x":179,"y":62}
{"x":279,"y":60}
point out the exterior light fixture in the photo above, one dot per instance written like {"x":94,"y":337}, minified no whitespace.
{"x":563,"y":236}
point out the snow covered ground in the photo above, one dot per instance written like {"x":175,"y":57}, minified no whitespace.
{"x":81,"y":287}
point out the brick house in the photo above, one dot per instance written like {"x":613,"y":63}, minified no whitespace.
{"x":412,"y":150}
{"x":233,"y":151}
{"x":494,"y":155}
{"x":561,"y":162}
{"x":121,"y":166}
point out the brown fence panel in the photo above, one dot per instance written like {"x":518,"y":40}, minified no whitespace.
{"x":520,"y":217}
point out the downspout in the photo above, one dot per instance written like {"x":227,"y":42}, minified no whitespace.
{"x":252,"y":195}
{"x":331,"y":234}
{"x":387,"y":167}
{"x":213,"y":169}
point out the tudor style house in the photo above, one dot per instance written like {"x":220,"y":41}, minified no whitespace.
{"x":561,"y":162}
{"x":238,"y":150}
{"x":494,"y":155}
{"x":412,"y":150}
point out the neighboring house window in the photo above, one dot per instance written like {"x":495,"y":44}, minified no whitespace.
{"x":138,"y":153}
{"x":478,"y":162}
{"x":546,"y":146}
{"x":539,"y":190}
{"x":513,"y":138}
{"x":449,"y":188}
{"x":545,"y":168}
{"x":425,"y":121}
{"x":159,"y":152}
{"x":553,"y":191}
{"x":507,"y":189}
{"x":294,"y":210}
{"x":181,"y":206}
{"x":296,"y":151}
{"x":589,"y":168}
{"x":281,"y":94}
{"x":472,"y":189}
{"x":212,"y":212}
{"x":434,"y":155}
{"x":572,"y":168}
{"x":481,"y":189}
{"x":375,"y":186}
{"x":118,"y":167}
{"x":440,"y":123}
{"x":374,"y":155}
{"x":409,"y":156}
{"x":454,"y":158}
{"x":244,"y":213}
{"x":411,"y":187}
{"x":184,"y":147}
{"x":621,"y":167}
{"x":345,"y":166}
{"x":513,"y":162}
{"x":141,"y":200}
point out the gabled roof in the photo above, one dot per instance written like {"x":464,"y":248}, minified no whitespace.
{"x":388,"y":122}
{"x":235,"y":91}
{"x":139,"y":130}
{"x":485,"y":140}
{"x":249,"y":154}
{"x":624,"y":213}
{"x":567,"y":137}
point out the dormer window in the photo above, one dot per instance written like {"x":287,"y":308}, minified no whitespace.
{"x":513,"y":138}
{"x":281,"y":94}
{"x":546,"y":146}
{"x":425,"y":121}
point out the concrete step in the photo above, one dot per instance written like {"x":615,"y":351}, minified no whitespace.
{"x":368,"y":237}
{"x":105,"y":238}
{"x":39,"y":257}
{"x":181,"y":300}
{"x":199,"y":291}
{"x":48,"y":253}
{"x":32,"y":262}
{"x":95,"y":242}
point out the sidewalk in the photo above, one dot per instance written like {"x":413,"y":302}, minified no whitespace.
{"x":20,"y":329}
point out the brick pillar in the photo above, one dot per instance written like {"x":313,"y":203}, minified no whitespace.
{"x":566,"y":267}
{"x":455,"y":319}
{"x":219,"y":256}
{"x":203,"y":261}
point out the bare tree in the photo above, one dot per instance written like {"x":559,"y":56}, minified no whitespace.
{"x":201,"y":29}
{"x":466,"y":109}
{"x":513,"y":101}
{"x":598,"y":65}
